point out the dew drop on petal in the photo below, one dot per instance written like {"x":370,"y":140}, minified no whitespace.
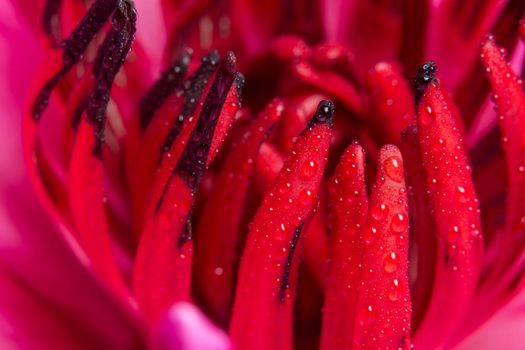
{"x":305,"y":198}
{"x":367,"y":315}
{"x":309,"y":169}
{"x":286,"y":189}
{"x":461,"y":194}
{"x":428,"y":117}
{"x":393,"y":168}
{"x":390,"y":263}
{"x":393,"y":292}
{"x":399,"y":223}
{"x":453,"y":234}
{"x":378,"y":212}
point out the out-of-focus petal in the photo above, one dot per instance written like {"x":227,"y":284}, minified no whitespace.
{"x":48,"y":299}
{"x":186,"y":328}
{"x":16,"y":68}
{"x":150,"y":31}
{"x":371,"y":29}
{"x":503,"y":331}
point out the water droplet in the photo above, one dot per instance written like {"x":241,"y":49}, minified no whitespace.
{"x":453,"y":234}
{"x":461,"y":194}
{"x":309,"y":169}
{"x":370,"y":234}
{"x":393,"y":168}
{"x":368,"y":315}
{"x":393,"y":292}
{"x":286,"y":189}
{"x":305,"y":198}
{"x":390,"y":263}
{"x":399,"y":223}
{"x":378,"y":212}
{"x":428,"y":117}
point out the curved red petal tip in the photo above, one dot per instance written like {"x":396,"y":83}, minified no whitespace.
{"x":218,"y":234}
{"x":457,"y":223}
{"x":509,"y":98}
{"x":262,"y":312}
{"x":348,"y":212}
{"x":86,"y":198}
{"x":391,"y":99}
{"x":422,"y":233}
{"x":171,"y":120}
{"x":330,"y":83}
{"x":288,"y":47}
{"x":522,"y":29}
{"x":229,"y":110}
{"x":169,"y":81}
{"x":163,"y":266}
{"x":384,"y":309}
{"x":269,"y":162}
{"x":181,"y":116}
{"x":335,"y":56}
{"x":295,"y":117}
{"x":326,"y":54}
{"x":316,"y":247}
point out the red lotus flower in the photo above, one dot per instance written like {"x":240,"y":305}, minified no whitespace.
{"x":350,"y":195}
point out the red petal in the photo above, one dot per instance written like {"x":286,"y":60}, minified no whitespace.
{"x":348,"y":211}
{"x":384,"y":310}
{"x":452,"y":196}
{"x":163,"y":265}
{"x":391,"y":99}
{"x":262,"y":313}
{"x":422,"y":233}
{"x":510,"y":103}
{"x":331,"y":84}
{"x":218,"y":236}
{"x":86,"y":197}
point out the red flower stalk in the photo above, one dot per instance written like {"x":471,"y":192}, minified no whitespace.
{"x":394,"y":223}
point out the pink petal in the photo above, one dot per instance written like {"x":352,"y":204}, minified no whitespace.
{"x":186,"y":328}
{"x":48,"y":299}
{"x":503,"y":331}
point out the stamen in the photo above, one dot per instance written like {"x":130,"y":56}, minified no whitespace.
{"x":324,"y":115}
{"x":192,"y":162}
{"x":89,"y":26}
{"x":163,"y":264}
{"x":169,"y":81}
{"x":77,"y":115}
{"x":111,"y":56}
{"x":193,"y":89}
{"x":425,"y":75}
{"x":74,"y":47}
{"x":51,"y":19}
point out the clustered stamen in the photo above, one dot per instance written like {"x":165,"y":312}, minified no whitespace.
{"x":170,"y":81}
{"x":425,"y":75}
